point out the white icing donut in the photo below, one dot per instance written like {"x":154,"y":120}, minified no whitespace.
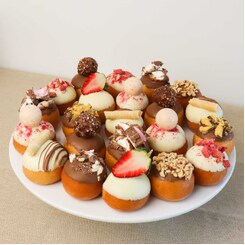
{"x":135,"y":102}
{"x":22,"y":133}
{"x":63,"y":97}
{"x":165,"y":140}
{"x":195,"y":156}
{"x":41,"y":161}
{"x":195,"y":114}
{"x":133,"y":188}
{"x":99,"y":100}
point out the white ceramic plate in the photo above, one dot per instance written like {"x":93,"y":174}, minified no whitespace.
{"x":97,"y":209}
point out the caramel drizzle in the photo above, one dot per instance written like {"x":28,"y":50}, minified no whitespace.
{"x":49,"y":153}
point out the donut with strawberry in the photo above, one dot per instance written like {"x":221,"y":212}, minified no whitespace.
{"x":93,"y":93}
{"x":128,"y":188}
{"x":86,"y":66}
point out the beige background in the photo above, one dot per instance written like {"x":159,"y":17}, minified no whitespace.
{"x":26,"y":219}
{"x":199,"y":40}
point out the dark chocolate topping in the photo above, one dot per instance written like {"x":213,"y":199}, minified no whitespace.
{"x":164,"y":96}
{"x":87,"y":125}
{"x":87,"y":66}
{"x":47,"y":156}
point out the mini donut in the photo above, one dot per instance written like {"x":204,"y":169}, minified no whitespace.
{"x":163,"y":97}
{"x":63,"y":94}
{"x":41,"y":98}
{"x":199,"y":108}
{"x":83,"y":175}
{"x":126,"y":194}
{"x":126,"y":138}
{"x":153,"y":76}
{"x":100,"y":101}
{"x":115,"y":81}
{"x":210,"y":162}
{"x":85,"y":68}
{"x":30,"y":126}
{"x":218,"y":129}
{"x":72,"y":113}
{"x":186,"y":90}
{"x":85,"y":136}
{"x":44,"y":166}
{"x":113,"y":118}
{"x":165,"y":135}
{"x":132,"y":97}
{"x":171,"y":177}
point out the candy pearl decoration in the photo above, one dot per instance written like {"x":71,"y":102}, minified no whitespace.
{"x":30,"y":115}
{"x":167,"y":119}
{"x":132,"y":86}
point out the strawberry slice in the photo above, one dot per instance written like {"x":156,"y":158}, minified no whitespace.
{"x":133,"y":163}
{"x":94,"y":83}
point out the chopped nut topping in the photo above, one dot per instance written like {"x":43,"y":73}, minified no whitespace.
{"x":220,"y":126}
{"x":185,"y":88}
{"x":172,"y":163}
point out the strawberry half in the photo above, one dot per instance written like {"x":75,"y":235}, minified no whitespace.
{"x":94,"y":83}
{"x":133,"y":163}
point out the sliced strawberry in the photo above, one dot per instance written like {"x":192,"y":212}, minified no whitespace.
{"x":133,"y":163}
{"x":94,"y":83}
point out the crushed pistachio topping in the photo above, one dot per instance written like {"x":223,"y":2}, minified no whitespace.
{"x":174,"y":164}
{"x":220,"y":126}
{"x":185,"y":88}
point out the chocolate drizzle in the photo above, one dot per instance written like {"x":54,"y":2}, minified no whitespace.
{"x":48,"y":152}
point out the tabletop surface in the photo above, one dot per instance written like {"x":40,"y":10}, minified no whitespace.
{"x":26,"y":219}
